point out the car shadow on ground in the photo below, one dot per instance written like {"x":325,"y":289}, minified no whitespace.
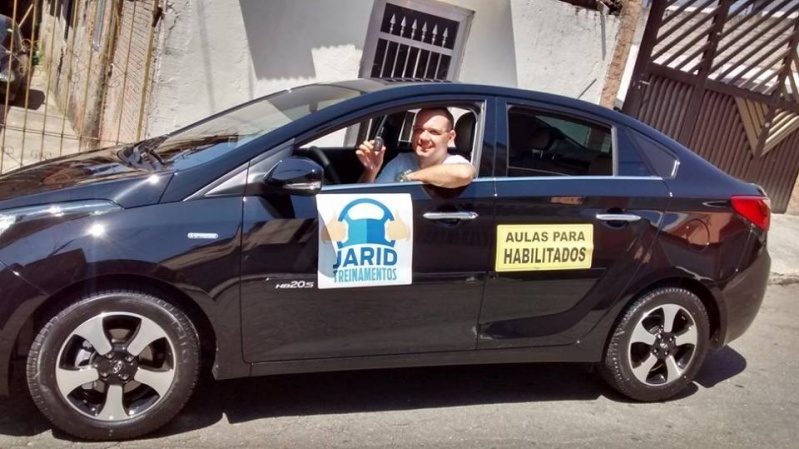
{"x":388,"y":390}
{"x":243,"y":400}
{"x":720,"y":366}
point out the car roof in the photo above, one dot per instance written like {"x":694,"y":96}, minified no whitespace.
{"x":405,"y":87}
{"x":390,"y":89}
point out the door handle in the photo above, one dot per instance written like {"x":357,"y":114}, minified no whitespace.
{"x":450,"y":215}
{"x":618,"y":217}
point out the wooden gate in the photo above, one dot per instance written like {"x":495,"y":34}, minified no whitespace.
{"x":720,"y":76}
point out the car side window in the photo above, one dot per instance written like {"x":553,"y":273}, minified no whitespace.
{"x":663,"y":161}
{"x":547,"y":144}
{"x":335,"y":149}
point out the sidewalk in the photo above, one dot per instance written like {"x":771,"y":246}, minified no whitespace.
{"x":783,"y":245}
{"x":36,"y":132}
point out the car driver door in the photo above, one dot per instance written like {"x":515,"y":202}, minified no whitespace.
{"x":298,"y":304}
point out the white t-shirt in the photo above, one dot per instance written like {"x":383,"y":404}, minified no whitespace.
{"x":406,"y":162}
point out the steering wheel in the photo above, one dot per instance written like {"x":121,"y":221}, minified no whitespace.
{"x":320,"y":156}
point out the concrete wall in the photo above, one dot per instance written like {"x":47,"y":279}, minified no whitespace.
{"x":563,"y":49}
{"x":214,"y":55}
{"x":489,"y":56}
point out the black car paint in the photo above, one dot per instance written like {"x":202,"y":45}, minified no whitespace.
{"x":97,"y":174}
{"x":290,"y":325}
{"x":228,"y":283}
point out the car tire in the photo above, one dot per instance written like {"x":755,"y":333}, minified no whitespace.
{"x":657,"y":346}
{"x":114,"y":365}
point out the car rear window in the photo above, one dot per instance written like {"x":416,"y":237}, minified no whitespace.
{"x":662,"y":161}
{"x":546,"y":144}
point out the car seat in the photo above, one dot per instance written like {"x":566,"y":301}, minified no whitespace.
{"x":602,"y":165}
{"x":541,"y":140}
{"x":464,"y":135}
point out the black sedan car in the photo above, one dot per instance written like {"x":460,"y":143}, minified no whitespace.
{"x":245,"y":241}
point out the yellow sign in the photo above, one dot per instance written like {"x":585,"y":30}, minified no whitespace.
{"x":544,"y":247}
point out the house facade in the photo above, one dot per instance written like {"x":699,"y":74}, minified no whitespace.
{"x":126,"y":70}
{"x":214,"y":55}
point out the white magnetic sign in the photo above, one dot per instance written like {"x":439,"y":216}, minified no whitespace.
{"x":365,"y":240}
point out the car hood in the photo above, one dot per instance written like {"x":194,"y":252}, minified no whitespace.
{"x":100,"y":174}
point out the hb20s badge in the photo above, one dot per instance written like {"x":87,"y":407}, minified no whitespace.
{"x":365,"y":240}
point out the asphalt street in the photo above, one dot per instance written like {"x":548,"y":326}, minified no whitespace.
{"x":746,"y":395}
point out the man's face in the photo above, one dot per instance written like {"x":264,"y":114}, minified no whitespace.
{"x":432,"y":134}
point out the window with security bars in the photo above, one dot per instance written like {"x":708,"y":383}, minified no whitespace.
{"x":417,"y":39}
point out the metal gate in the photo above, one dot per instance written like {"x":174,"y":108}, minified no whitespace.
{"x":415,"y":39}
{"x":79,"y":75}
{"x":720,"y":76}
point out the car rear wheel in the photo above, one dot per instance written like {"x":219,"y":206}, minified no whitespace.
{"x":658,"y":345}
{"x":114,"y":365}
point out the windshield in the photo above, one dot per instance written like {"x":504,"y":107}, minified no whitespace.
{"x":211,"y":139}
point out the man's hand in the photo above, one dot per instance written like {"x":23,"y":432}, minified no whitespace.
{"x":371,"y":160}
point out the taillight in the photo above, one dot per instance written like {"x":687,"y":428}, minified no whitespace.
{"x":756,"y":209}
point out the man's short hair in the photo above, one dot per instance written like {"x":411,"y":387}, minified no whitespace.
{"x":440,"y":111}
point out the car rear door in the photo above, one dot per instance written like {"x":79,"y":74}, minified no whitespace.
{"x":577,"y":211}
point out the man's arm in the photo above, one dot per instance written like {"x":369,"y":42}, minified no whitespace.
{"x":369,"y":176}
{"x":444,"y":175}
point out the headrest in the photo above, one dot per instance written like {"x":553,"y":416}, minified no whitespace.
{"x":602,"y":165}
{"x":541,"y":139}
{"x":464,"y":134}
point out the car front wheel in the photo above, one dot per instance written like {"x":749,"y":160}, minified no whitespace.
{"x":114,"y":365}
{"x":658,"y":345}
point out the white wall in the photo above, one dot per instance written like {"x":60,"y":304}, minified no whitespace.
{"x":214,"y":55}
{"x":488,"y":56}
{"x":217,"y":54}
{"x":563,"y":49}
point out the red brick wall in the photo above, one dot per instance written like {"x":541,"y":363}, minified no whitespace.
{"x":98,"y":87}
{"x":129,"y":78}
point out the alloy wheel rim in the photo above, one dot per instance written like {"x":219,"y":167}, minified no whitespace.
{"x":115,"y":366}
{"x":662,"y":345}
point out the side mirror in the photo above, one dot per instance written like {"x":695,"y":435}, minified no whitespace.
{"x":296,"y":176}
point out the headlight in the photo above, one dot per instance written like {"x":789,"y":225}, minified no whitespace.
{"x":11,"y":217}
